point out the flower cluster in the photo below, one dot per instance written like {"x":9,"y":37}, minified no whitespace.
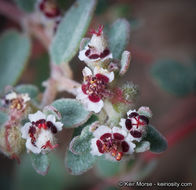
{"x":16,"y":101}
{"x":39,"y":132}
{"x":97,"y":78}
{"x":116,"y":142}
{"x":49,"y":15}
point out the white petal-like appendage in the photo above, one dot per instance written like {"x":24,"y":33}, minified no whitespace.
{"x":102,"y":129}
{"x":25,"y":130}
{"x":11,"y":96}
{"x":25,"y":97}
{"x":31,"y":147}
{"x":131,"y":138}
{"x":36,"y":116}
{"x":131,"y":145}
{"x":86,"y":72}
{"x":94,"y":106}
{"x":59,"y":126}
{"x":94,"y":148}
{"x":122,"y":123}
{"x":51,"y":118}
{"x":130,"y":111}
{"x":119,"y":130}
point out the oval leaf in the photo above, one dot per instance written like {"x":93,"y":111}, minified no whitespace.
{"x":119,"y":37}
{"x":157,"y":142}
{"x":26,"y":5}
{"x":40,"y":163}
{"x":72,"y":112}
{"x":14,"y":52}
{"x":173,"y":77}
{"x":31,"y":90}
{"x":71,"y":30}
{"x":125,"y":62}
{"x":78,"y":164}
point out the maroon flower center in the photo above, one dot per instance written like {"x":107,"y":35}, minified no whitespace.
{"x":96,"y":87}
{"x":91,"y":55}
{"x":49,"y":8}
{"x":113,"y":144}
{"x":38,"y":125}
{"x":140,"y":120}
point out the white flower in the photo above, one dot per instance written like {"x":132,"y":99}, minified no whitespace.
{"x":16,"y":101}
{"x":39,"y":132}
{"x":135,"y":123}
{"x":96,"y":50}
{"x":112,"y":142}
{"x":94,"y":88}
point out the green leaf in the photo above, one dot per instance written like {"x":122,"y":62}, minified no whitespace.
{"x":14,"y":53}
{"x":106,"y":168}
{"x":82,"y":143}
{"x":71,"y":30}
{"x":173,"y":77}
{"x":26,"y":5}
{"x":119,"y":37}
{"x":125,"y":62}
{"x":78,"y":164}
{"x":3,"y":117}
{"x":157,"y":142}
{"x":27,"y":178}
{"x":31,"y":90}
{"x":72,"y":112}
{"x":40,"y":163}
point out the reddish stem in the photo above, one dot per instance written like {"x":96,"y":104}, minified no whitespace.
{"x":174,"y":137}
{"x":7,"y":128}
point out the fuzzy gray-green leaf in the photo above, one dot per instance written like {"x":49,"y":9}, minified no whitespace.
{"x":119,"y":37}
{"x":14,"y":52}
{"x":157,"y":142}
{"x":173,"y":77}
{"x":72,"y":112}
{"x":71,"y":30}
{"x":26,"y":5}
{"x":78,"y":164}
{"x":40,"y":163}
{"x":3,"y":117}
{"x":31,"y":90}
{"x":125,"y":62}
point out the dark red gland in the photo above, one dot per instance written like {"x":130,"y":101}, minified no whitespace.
{"x":136,"y":134}
{"x":102,"y":78}
{"x":105,"y":53}
{"x":32,"y":130}
{"x":118,"y":136}
{"x":133,"y":114}
{"x":125,"y":146}
{"x":51,"y":126}
{"x":100,"y":146}
{"x":94,"y":98}
{"x":87,"y":53}
{"x":94,"y":56}
{"x":106,"y":136}
{"x":145,"y":119}
{"x":128,"y":124}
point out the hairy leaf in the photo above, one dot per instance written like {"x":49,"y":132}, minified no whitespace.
{"x":26,"y":5}
{"x":40,"y":163}
{"x":14,"y":53}
{"x":119,"y":37}
{"x":72,"y":112}
{"x":71,"y":30}
{"x":173,"y":77}
{"x":125,"y":62}
{"x":157,"y":142}
{"x":31,"y":90}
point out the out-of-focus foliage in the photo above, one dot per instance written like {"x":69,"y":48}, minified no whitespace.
{"x":14,"y":53}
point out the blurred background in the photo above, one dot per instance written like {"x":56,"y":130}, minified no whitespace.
{"x":162,"y":34}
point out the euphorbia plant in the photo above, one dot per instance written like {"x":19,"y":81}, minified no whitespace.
{"x":103,"y":112}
